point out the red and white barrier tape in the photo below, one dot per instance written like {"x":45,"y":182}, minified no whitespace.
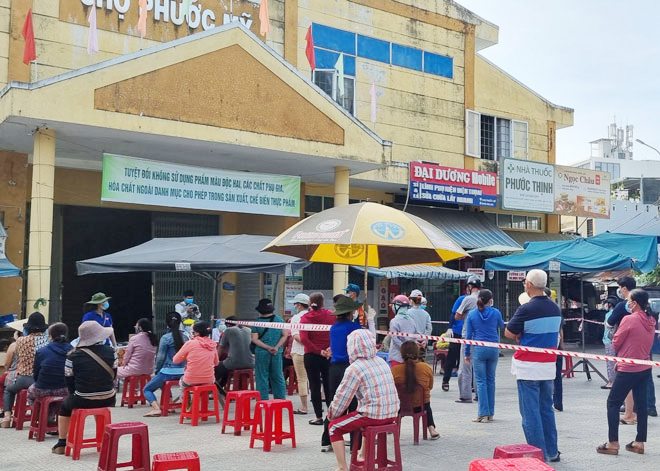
{"x":505,"y":346}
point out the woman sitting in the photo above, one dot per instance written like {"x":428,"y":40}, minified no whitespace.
{"x":90,"y":371}
{"x":49,"y":365}
{"x":200,"y":355}
{"x":166,"y":369}
{"x":140,"y":352}
{"x":26,"y":348}
{"x":412,"y":374}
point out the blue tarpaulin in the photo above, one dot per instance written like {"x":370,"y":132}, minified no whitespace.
{"x":600,"y":253}
{"x":430,"y":272}
{"x":7,"y":269}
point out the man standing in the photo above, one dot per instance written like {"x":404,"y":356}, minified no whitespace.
{"x":187,"y":308}
{"x":268,"y":352}
{"x":301,"y":305}
{"x":454,"y":353}
{"x":422,"y":320}
{"x":465,"y":369}
{"x":536,"y":324}
{"x":360,"y":316}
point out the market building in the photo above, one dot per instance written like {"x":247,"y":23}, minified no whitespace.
{"x":203,"y":95}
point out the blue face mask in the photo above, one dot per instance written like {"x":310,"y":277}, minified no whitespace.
{"x":189,"y":300}
{"x":106,"y":306}
{"x":619,"y":293}
{"x":423,"y":306}
{"x":628,"y":308}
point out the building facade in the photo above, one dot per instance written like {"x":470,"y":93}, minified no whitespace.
{"x":203,"y":88}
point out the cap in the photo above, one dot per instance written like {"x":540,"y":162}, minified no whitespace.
{"x":353,"y":287}
{"x":301,"y":298}
{"x":474,"y":281}
{"x":416,"y":294}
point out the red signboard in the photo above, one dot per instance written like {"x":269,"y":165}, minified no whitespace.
{"x":434,"y":183}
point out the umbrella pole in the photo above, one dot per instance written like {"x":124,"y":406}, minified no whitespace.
{"x":366,"y":277}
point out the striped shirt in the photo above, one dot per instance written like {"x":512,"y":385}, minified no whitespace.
{"x":369,"y":379}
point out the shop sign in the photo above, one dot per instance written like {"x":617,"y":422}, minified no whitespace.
{"x":166,"y":19}
{"x":554,"y":265}
{"x":527,"y":186}
{"x":139,"y":181}
{"x":436,"y":184}
{"x":581,"y":192}
{"x":516,"y":276}
{"x":480,"y":272}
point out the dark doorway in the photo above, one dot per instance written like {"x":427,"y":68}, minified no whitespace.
{"x":92,"y":232}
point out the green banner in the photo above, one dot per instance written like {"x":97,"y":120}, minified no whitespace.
{"x":140,"y":181}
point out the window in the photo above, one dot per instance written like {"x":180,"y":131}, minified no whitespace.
{"x":316,"y":204}
{"x":614,"y":169}
{"x":493,"y":138}
{"x":519,"y":222}
{"x":514,"y":221}
{"x":327,"y":80}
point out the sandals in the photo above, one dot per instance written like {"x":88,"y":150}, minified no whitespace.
{"x":300,"y":412}
{"x":464,"y":401}
{"x":635,"y":449}
{"x":481,"y":420}
{"x":603,"y":450}
{"x":630,"y":422}
{"x":316,"y":422}
{"x":445,"y":386}
{"x":434,"y":437}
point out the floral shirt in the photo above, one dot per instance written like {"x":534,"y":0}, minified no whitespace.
{"x":26,"y":347}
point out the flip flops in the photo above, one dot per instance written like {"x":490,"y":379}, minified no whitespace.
{"x":464,"y":401}
{"x":630,"y":422}
{"x":603,"y":450}
{"x":635,"y":449}
{"x":300,"y":412}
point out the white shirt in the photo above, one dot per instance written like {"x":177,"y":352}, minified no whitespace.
{"x":297,"y":347}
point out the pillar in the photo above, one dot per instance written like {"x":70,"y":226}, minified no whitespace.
{"x":340,"y":272}
{"x":41,"y":221}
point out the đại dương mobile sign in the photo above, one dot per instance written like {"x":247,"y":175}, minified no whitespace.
{"x":581,"y":192}
{"x":140,"y":181}
{"x":436,"y":184}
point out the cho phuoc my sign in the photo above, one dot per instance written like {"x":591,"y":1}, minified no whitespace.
{"x":140,"y":181}
{"x":435,"y":184}
{"x":582,"y":192}
{"x":527,"y":186}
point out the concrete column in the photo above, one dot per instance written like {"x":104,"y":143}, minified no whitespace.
{"x":41,"y":220}
{"x":340,"y":272}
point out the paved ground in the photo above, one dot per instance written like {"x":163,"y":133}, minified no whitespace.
{"x":582,"y":426}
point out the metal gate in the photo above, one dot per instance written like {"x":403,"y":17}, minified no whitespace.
{"x":168,"y":287}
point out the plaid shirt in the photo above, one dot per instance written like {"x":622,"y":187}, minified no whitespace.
{"x":369,"y":379}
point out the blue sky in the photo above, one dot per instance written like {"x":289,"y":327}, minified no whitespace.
{"x":599,"y":57}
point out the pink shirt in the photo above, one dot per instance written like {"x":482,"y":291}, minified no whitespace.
{"x":634,"y":339}
{"x":201,"y":356}
{"x":139,"y":357}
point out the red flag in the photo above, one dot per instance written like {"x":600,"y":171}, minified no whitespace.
{"x":309,"y":50}
{"x":30,"y":52}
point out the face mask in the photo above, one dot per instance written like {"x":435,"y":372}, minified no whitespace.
{"x":189,"y":300}
{"x":628,"y":308}
{"x":619,"y":293}
{"x":137,"y":330}
{"x":423,"y":306}
{"x":106,"y":306}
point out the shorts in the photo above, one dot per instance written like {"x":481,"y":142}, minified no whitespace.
{"x":350,"y":422}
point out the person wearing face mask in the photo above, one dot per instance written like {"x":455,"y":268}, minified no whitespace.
{"x":187,"y":308}
{"x":402,"y":322}
{"x":96,"y":310}
{"x":141,"y":351}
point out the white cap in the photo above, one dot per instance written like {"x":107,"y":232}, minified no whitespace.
{"x":301,"y":298}
{"x":416,"y":294}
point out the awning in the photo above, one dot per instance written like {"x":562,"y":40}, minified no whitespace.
{"x":469,"y":229}
{"x":430,"y":272}
{"x":523,"y":237}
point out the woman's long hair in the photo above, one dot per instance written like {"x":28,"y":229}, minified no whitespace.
{"x":173,"y":321}
{"x":485,"y":296}
{"x":316,"y":301}
{"x":145,"y":326}
{"x":410,"y":354}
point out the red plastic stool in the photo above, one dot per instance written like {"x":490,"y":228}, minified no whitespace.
{"x":569,"y":367}
{"x":75,"y":440}
{"x":140,"y":456}
{"x":290,"y":379}
{"x":166,"y":404}
{"x":268,"y":431}
{"x":242,"y":406}
{"x":240,"y":380}
{"x":133,"y":390}
{"x":22,"y":411}
{"x":40,"y":409}
{"x":200,"y":405}
{"x":375,"y":443}
{"x":182,"y":460}
{"x":518,"y":451}
{"x":510,"y":464}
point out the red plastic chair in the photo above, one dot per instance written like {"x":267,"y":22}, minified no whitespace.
{"x":188,"y":460}
{"x":517,"y":451}
{"x":133,"y":390}
{"x":40,"y":410}
{"x":166,"y":404}
{"x":75,"y":440}
{"x":242,"y":407}
{"x":375,"y":443}
{"x":199,"y":404}
{"x":22,"y":411}
{"x":291,"y":380}
{"x":568,"y":366}
{"x":140,"y":456}
{"x":510,"y":464}
{"x":271,"y":427}
{"x":240,"y":380}
{"x":406,"y":410}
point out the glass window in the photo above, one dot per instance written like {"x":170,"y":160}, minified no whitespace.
{"x":492,"y":217}
{"x":327,"y":81}
{"x":519,"y":222}
{"x":313,"y":204}
{"x":438,"y":65}
{"x":533,"y":223}
{"x":616,"y":172}
{"x":328,"y":202}
{"x":487,"y":137}
{"x":406,"y":57}
{"x":520,"y":140}
{"x":503,"y":138}
{"x":324,"y":80}
{"x":374,"y":49}
{"x":473,"y":133}
{"x":504,"y":220}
